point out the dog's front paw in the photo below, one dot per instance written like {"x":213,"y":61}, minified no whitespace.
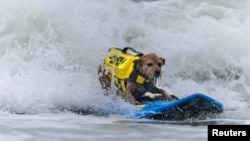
{"x":174,"y":97}
{"x":137,"y":103}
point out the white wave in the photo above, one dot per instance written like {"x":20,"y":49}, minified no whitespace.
{"x":50,"y":50}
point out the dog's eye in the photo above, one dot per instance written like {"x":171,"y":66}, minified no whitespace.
{"x":149,"y":64}
{"x":159,"y":64}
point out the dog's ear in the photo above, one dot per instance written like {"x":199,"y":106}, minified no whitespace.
{"x":162,"y":61}
{"x":137,"y":64}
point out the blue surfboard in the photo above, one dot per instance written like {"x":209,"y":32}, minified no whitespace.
{"x":196,"y":105}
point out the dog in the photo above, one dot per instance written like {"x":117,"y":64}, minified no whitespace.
{"x":141,"y":81}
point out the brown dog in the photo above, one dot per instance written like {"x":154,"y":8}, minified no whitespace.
{"x":146,"y":70}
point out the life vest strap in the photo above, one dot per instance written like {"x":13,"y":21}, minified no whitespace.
{"x":140,"y":79}
{"x":120,"y":83}
{"x":135,"y":77}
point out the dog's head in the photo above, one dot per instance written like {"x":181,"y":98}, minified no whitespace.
{"x":150,"y":65}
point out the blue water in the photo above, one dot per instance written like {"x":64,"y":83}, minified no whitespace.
{"x":50,"y":51}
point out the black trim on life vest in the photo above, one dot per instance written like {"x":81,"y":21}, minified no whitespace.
{"x":138,"y":78}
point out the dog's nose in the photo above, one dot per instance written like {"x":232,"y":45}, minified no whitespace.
{"x":157,"y":73}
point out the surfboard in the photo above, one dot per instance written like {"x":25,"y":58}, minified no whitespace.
{"x":197,"y":105}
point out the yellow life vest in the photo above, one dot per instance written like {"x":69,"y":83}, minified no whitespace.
{"x":120,"y":66}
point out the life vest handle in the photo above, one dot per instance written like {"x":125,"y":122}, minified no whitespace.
{"x":125,"y":49}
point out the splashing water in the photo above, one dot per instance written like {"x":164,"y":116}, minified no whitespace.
{"x":50,"y":50}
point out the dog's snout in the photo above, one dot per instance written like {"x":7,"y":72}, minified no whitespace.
{"x":157,"y":73}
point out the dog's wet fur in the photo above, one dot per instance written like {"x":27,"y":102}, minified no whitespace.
{"x":150,"y":66}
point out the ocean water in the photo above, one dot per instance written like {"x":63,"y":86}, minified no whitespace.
{"x":50,"y":51}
